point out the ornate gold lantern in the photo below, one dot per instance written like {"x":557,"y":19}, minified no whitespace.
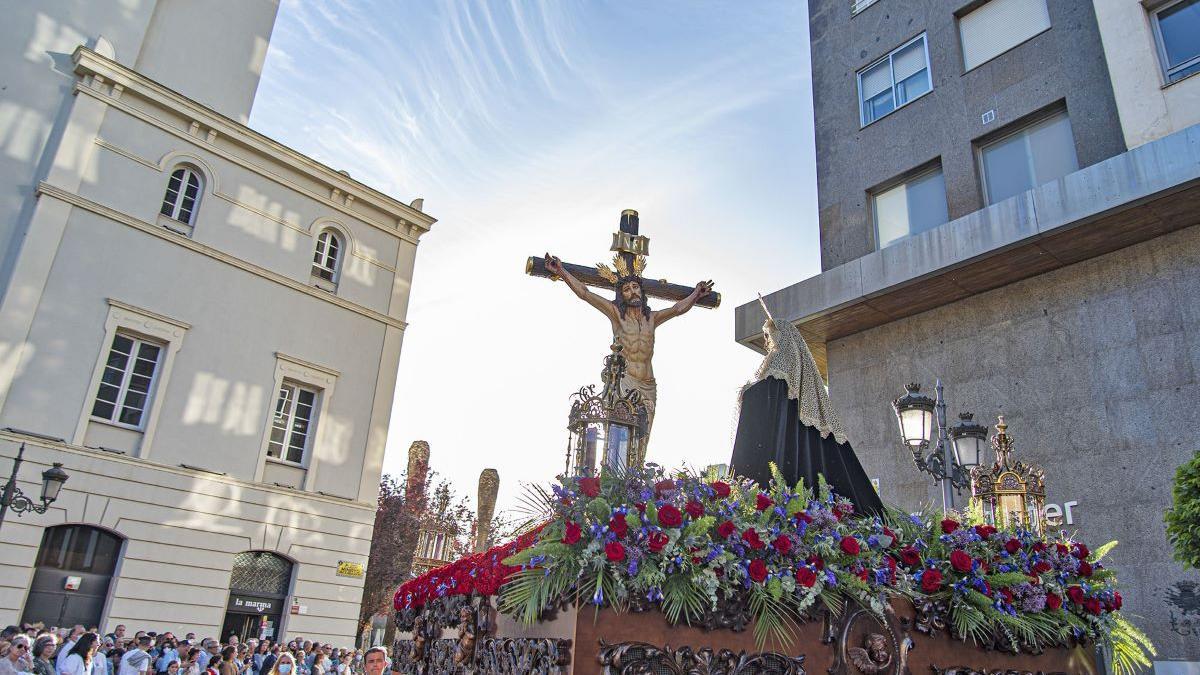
{"x":608,"y":430}
{"x":1010,"y":493}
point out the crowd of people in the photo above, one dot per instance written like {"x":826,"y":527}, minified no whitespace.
{"x":38,"y":650}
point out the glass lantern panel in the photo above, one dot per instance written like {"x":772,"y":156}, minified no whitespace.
{"x":616,"y":450}
{"x":967,"y":450}
{"x":593,"y":440}
{"x":915,"y":425}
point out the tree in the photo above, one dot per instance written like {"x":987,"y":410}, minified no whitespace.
{"x":1183,"y":518}
{"x":403,"y":509}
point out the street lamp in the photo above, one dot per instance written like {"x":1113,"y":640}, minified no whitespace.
{"x":13,"y":498}
{"x":951,"y":460}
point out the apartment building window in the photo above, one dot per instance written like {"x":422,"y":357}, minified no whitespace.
{"x":915,"y":205}
{"x":1031,"y":155}
{"x":895,"y":80}
{"x":127,"y":382}
{"x":999,"y":25}
{"x":1177,"y":30}
{"x":182,"y":195}
{"x":327,"y":255}
{"x":292,"y":423}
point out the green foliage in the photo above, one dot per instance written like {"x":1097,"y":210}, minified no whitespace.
{"x":599,"y":509}
{"x":683,"y":599}
{"x":1183,"y":518}
{"x":1104,"y":550}
{"x":1131,"y":650}
{"x":774,"y":619}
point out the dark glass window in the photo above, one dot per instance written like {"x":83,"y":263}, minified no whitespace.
{"x":79,"y":548}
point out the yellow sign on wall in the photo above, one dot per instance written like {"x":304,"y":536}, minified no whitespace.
{"x":346,"y":568}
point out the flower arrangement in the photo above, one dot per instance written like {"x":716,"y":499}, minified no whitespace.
{"x":479,"y":574}
{"x":683,"y":542}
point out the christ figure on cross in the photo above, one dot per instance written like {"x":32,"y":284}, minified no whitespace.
{"x":633,"y":325}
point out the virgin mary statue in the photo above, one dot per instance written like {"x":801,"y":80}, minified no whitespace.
{"x":786,"y":418}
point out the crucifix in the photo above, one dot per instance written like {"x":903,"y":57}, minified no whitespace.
{"x":633,"y":322}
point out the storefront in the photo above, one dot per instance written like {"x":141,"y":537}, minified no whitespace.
{"x":258,"y":590}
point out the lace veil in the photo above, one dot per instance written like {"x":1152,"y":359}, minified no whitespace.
{"x":789,"y":359}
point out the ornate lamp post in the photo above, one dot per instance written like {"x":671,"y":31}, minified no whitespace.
{"x":1011,"y":493}
{"x":608,"y":428}
{"x":958,"y":449}
{"x":13,"y":498}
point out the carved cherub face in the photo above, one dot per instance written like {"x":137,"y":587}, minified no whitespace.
{"x":877,"y":645}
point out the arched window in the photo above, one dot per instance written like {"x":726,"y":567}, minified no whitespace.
{"x":327,"y":256}
{"x":183,"y":195}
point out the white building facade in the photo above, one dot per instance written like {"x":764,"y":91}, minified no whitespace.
{"x":201,"y":324}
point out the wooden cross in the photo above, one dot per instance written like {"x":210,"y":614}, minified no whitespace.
{"x":629,"y":245}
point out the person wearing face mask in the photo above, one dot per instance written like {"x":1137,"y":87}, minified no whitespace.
{"x":284,"y":665}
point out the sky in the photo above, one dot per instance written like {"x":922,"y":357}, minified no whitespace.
{"x":528,"y":127}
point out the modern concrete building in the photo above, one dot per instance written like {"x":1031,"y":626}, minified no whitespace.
{"x":1007,"y":193}
{"x":201,"y":324}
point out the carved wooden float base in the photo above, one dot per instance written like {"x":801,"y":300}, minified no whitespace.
{"x":586,"y":642}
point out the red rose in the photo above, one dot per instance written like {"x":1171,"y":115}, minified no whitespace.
{"x":1041,"y":567}
{"x":1085,"y":568}
{"x":1007,"y":595}
{"x":806,"y":577}
{"x":782,"y":544}
{"x":984,"y":531}
{"x":1012,"y":546}
{"x":1075,"y":593}
{"x":1080,"y":551}
{"x":1038,"y":546}
{"x":641,"y":507}
{"x":1117,"y":601}
{"x":614,"y":551}
{"x":750,"y":536}
{"x":763,"y":502}
{"x":863,"y":574}
{"x":949,"y":525}
{"x":664,"y":486}
{"x":758,"y":571}
{"x":669,"y":516}
{"x":572,"y":535}
{"x":910,"y":556}
{"x":960,"y":561}
{"x":1053,"y":601}
{"x":694,"y":508}
{"x":725,"y":529}
{"x":618,"y":526}
{"x":816,"y":561}
{"x":850,"y":546}
{"x":658,"y":540}
{"x":803,"y":517}
{"x":1062,"y":549}
{"x":1092,"y":605}
{"x":590,"y":486}
{"x":841,"y":510}
{"x":931,"y":581}
{"x":720,"y":489}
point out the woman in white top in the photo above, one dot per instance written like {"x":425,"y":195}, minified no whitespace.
{"x":81,"y":658}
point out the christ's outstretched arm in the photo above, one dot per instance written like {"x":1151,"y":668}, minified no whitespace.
{"x":702,"y":289}
{"x":606,"y":307}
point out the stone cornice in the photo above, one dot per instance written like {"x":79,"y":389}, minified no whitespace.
{"x":88,"y":62}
